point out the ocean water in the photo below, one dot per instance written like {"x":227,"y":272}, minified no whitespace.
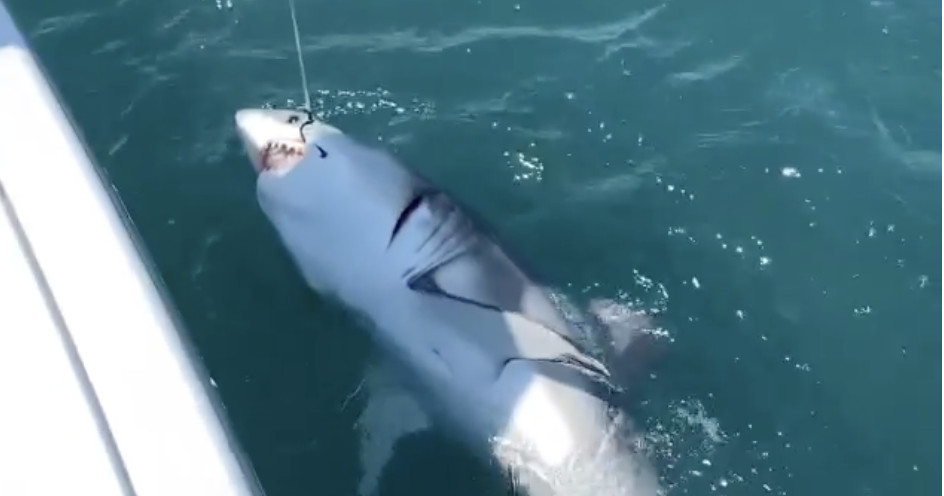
{"x":760,"y":177}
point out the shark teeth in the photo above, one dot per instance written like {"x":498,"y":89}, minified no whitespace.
{"x":281,"y":154}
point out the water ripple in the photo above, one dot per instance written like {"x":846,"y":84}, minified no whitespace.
{"x":58,"y":24}
{"x":706,"y":71}
{"x":410,"y":40}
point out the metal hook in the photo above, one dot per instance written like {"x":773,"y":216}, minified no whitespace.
{"x":311,"y":120}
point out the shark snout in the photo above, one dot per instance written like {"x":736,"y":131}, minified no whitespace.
{"x":253,"y":135}
{"x":271,"y":138}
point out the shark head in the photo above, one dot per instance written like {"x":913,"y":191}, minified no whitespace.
{"x":333,"y":200}
{"x":277,"y":140}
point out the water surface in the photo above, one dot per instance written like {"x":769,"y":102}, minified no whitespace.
{"x":762,"y":177}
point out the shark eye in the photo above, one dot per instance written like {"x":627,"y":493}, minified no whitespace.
{"x":293,"y":119}
{"x":321,"y":151}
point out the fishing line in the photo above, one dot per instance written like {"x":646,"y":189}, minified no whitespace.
{"x":301,"y":60}
{"x":304,"y":73}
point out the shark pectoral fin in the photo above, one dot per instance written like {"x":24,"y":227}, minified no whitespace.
{"x":634,"y":342}
{"x":535,"y":341}
{"x":637,"y":358}
{"x":390,"y":414}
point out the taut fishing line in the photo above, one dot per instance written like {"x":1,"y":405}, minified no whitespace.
{"x":301,"y":60}
{"x":301,"y":68}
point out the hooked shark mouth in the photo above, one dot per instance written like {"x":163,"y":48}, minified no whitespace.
{"x":281,"y":154}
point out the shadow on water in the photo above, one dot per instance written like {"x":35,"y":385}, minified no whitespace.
{"x":417,"y":456}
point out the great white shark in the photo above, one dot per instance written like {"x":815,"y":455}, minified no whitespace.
{"x":477,"y":345}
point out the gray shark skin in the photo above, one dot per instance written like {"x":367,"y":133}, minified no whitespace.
{"x":475,"y":342}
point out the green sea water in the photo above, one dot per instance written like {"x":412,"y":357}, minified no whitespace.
{"x":760,"y":176}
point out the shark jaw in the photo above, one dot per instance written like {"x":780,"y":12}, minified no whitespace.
{"x":280,"y":156}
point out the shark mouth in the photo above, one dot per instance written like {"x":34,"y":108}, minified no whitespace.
{"x":280,"y":155}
